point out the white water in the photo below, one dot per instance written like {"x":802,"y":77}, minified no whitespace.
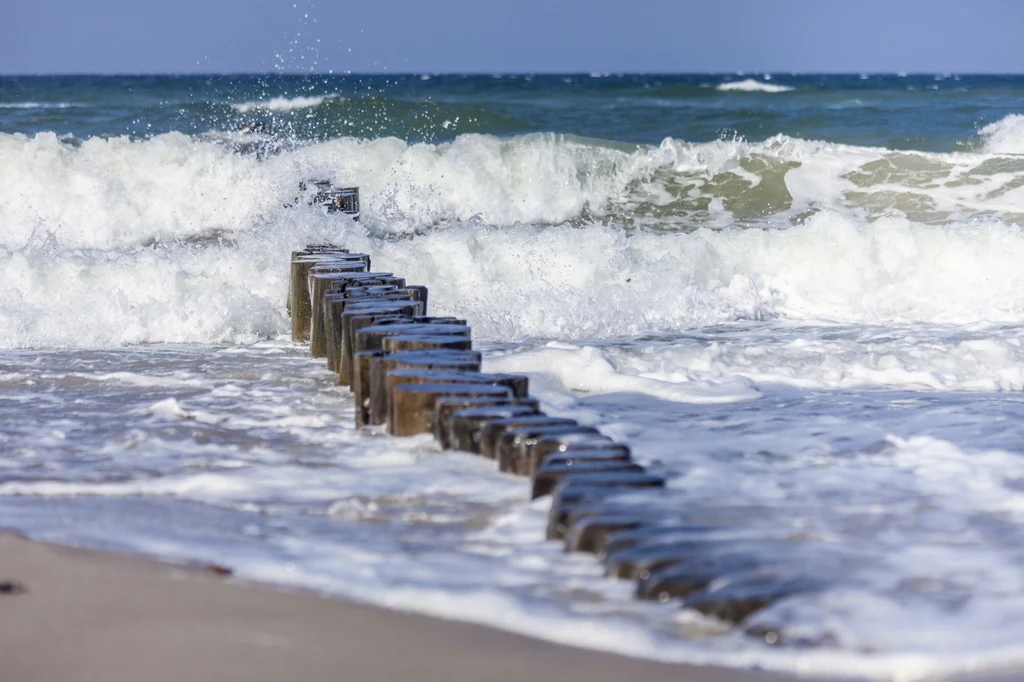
{"x":245,"y":456}
{"x":178,"y":240}
{"x":751,"y":85}
{"x":846,"y":368}
{"x":1005,"y":136}
{"x":117,"y":192}
{"x":281,"y":104}
{"x":519,"y":282}
{"x":36,"y":105}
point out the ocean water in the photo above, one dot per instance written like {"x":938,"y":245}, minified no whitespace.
{"x":799,"y":297}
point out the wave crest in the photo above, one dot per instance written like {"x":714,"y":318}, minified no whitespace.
{"x":751,"y":85}
{"x":1005,"y":136}
{"x":281,"y":104}
{"x":520,"y":282}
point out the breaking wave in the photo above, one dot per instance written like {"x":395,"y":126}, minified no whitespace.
{"x":751,"y":85}
{"x":1005,"y":136}
{"x":181,"y":239}
{"x":282,"y":104}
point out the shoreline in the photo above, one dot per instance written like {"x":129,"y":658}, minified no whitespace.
{"x":73,"y":614}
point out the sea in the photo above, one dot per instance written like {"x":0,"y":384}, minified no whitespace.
{"x":798,"y":297}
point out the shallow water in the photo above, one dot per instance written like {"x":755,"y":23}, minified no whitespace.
{"x":905,"y":502}
{"x":814,"y":330}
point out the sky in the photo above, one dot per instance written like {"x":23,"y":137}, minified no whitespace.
{"x":485,"y":36}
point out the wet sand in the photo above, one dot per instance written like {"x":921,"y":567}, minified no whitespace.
{"x":98,"y":616}
{"x":77,"y":615}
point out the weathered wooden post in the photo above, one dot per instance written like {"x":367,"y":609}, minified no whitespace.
{"x":587,"y":491}
{"x":552,"y":473}
{"x":434,"y":376}
{"x":493,"y":430}
{"x":369,"y":364}
{"x":414,"y":403}
{"x":445,"y":408}
{"x":465,"y":431}
{"x":371,"y":338}
{"x":299,"y":303}
{"x":320,"y":277}
{"x":513,"y":447}
{"x":351,"y":327}
{"x":569,"y":443}
{"x":358,"y":298}
{"x":310,"y":250}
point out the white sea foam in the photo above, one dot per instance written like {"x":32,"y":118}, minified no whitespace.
{"x":599,"y":282}
{"x":282,"y":104}
{"x":522,"y":282}
{"x":725,"y":364}
{"x":1005,"y":136}
{"x":587,"y":369}
{"x":119,"y":192}
{"x":751,"y":85}
{"x":174,"y":239}
{"x":243,"y":468}
{"x":36,"y":105}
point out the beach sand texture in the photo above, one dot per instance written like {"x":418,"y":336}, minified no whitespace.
{"x":86,"y":615}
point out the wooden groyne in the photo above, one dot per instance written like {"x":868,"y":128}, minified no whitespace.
{"x":414,"y":373}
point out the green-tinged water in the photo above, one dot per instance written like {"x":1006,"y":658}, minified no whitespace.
{"x":922,"y":112}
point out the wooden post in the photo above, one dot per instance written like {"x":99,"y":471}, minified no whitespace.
{"x":445,"y":408}
{"x":419,"y":293}
{"x":467,"y":426}
{"x":514,"y":447}
{"x":372,"y":338}
{"x":299,"y":304}
{"x":493,"y":430}
{"x":336,"y":304}
{"x":353,"y":298}
{"x":368,"y":364}
{"x":351,"y":328}
{"x":351,"y":321}
{"x":379,"y":396}
{"x":413,"y":404}
{"x":318,"y":283}
{"x":442,"y":340}
{"x":552,"y":473}
{"x":435,"y":376}
{"x":587,"y":491}
{"x":557,"y":445}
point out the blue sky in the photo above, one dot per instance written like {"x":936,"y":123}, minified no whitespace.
{"x":229,"y":36}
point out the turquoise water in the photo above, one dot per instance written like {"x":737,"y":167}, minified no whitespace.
{"x":924,"y":112}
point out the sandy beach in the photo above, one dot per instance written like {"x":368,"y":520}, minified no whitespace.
{"x":74,"y":615}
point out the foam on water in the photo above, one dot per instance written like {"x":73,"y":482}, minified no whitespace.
{"x":751,"y":85}
{"x":282,"y":104}
{"x":179,"y":240}
{"x":240,"y":467}
{"x":1005,"y":136}
{"x":521,"y":282}
{"x":36,"y":105}
{"x":701,"y":302}
{"x":594,"y":282}
{"x":115,"y":192}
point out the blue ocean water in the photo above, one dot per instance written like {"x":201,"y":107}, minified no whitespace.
{"x":797,"y":296}
{"x":939,"y":113}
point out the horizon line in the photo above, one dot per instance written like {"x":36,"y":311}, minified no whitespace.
{"x":590,"y":73}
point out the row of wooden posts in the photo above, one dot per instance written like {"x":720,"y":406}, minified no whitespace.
{"x":413,"y":373}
